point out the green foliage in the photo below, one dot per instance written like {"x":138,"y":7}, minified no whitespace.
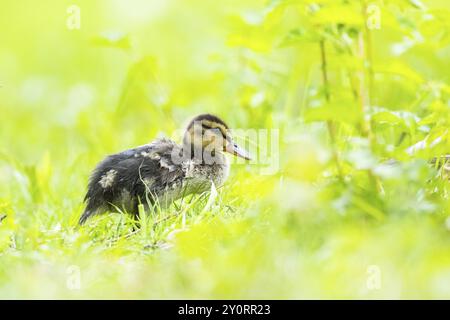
{"x":361,"y":113}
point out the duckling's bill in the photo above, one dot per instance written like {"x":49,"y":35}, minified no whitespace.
{"x":234,"y":149}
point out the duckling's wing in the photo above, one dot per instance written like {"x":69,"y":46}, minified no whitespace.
{"x":159,"y":169}
{"x":125,"y":178}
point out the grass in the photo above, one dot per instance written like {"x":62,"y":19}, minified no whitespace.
{"x":336,"y":219}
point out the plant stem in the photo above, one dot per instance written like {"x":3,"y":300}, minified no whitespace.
{"x":330,"y":123}
{"x":366,"y":89}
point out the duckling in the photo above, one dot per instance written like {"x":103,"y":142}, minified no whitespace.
{"x":162,"y":171}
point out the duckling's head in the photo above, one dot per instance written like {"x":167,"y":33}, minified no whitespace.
{"x":209,"y":134}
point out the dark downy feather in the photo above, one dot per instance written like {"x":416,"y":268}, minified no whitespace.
{"x":135,"y":175}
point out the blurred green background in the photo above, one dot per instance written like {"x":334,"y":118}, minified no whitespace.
{"x":352,"y":212}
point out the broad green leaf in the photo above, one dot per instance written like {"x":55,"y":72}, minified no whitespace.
{"x":336,"y":111}
{"x":300,"y":35}
{"x":398,"y":68}
{"x":332,"y":14}
{"x":385,"y":117}
{"x":113,"y":40}
{"x":257,"y":42}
